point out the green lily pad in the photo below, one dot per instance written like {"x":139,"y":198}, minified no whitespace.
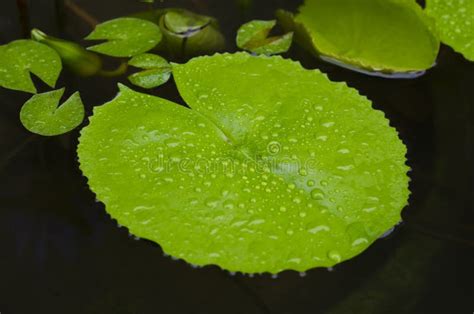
{"x":253,"y":37}
{"x":376,"y":35}
{"x":157,"y":70}
{"x":20,"y":57}
{"x":455,"y":21}
{"x":275,"y":167}
{"x":127,"y":37}
{"x":41,"y":114}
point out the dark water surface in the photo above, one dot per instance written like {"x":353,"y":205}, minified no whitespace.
{"x":60,"y":252}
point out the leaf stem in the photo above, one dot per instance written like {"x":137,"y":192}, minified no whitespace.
{"x":11,"y":154}
{"x":120,"y":70}
{"x":81,"y":13}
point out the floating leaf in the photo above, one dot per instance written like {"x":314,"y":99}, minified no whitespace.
{"x":41,"y":114}
{"x":273,"y":168}
{"x":253,"y":37}
{"x":455,"y":21}
{"x":127,"y":37}
{"x":377,"y":35}
{"x":158,"y":70}
{"x":74,"y":56}
{"x":20,"y":57}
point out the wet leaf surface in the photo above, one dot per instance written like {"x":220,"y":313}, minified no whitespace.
{"x":157,"y":71}
{"x":455,"y":22}
{"x":41,"y":114}
{"x":126,"y":37}
{"x":300,"y":173}
{"x":20,"y":58}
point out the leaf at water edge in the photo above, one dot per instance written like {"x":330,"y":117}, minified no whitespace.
{"x":218,"y":184}
{"x":20,"y":57}
{"x":379,"y":35}
{"x":41,"y":114}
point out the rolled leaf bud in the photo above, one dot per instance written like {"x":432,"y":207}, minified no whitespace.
{"x":79,"y":60}
{"x":187,"y":34}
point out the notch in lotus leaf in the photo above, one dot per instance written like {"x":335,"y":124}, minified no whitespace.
{"x":20,"y":57}
{"x":378,"y":36}
{"x":41,"y":114}
{"x":157,"y":70}
{"x":253,"y":37}
{"x":455,"y":22}
{"x":126,"y":37}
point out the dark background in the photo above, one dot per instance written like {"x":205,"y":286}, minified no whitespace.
{"x":61,"y":253}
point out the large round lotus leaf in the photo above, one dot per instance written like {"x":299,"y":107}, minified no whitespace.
{"x":275,"y":167}
{"x":381,"y":35}
{"x":455,"y":21}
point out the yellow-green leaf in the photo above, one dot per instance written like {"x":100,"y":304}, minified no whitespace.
{"x":274,"y":167}
{"x":455,"y":21}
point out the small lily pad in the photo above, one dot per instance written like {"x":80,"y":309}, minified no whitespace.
{"x":20,"y":57}
{"x":274,"y":167}
{"x":127,"y":37}
{"x":41,"y":114}
{"x":157,"y":70}
{"x":253,"y":37}
{"x":455,"y":21}
{"x":389,"y":36}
